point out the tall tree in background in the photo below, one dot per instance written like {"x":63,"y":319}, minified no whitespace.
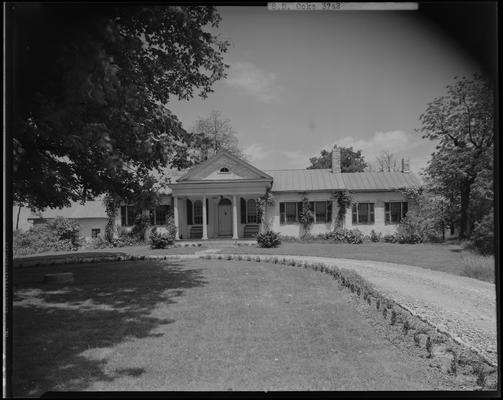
{"x":91,"y":84}
{"x":351,"y":161}
{"x":212,"y":134}
{"x":387,"y":162}
{"x":462,"y":165}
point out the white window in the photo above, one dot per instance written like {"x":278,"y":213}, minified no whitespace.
{"x":363,"y":213}
{"x":198,"y":212}
{"x":251,"y":211}
{"x":394,"y":211}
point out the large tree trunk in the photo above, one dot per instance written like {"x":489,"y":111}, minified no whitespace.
{"x":464,"y":228}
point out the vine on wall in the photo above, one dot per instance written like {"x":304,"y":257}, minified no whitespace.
{"x":343,"y":199}
{"x":264,"y":201}
{"x":111,"y":204}
{"x":306,"y":217}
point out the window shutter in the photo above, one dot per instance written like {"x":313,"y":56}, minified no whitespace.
{"x":243,"y":210}
{"x":207,"y":215}
{"x":355,"y":215}
{"x":189,"y":212}
{"x":329,"y":211}
{"x":371,"y":211}
{"x":299,"y":209}
{"x":405,"y":208}
{"x":282,"y":213}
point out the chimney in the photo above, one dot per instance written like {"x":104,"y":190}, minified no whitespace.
{"x":336,"y":160}
{"x":405,"y":165}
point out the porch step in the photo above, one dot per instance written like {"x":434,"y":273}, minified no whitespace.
{"x":251,"y":231}
{"x":196,"y":232}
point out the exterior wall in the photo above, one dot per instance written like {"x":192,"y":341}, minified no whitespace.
{"x":87,"y":224}
{"x":378,"y":198}
{"x":295,"y":229}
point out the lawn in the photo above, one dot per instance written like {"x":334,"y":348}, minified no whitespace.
{"x":439,"y":257}
{"x":200,"y":325}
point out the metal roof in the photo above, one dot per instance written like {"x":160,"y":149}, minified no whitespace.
{"x":300,"y":180}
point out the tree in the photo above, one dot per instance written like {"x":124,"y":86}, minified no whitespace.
{"x":462,"y":121}
{"x":351,"y":161}
{"x":91,"y":84}
{"x":387,"y":162}
{"x":212,"y":134}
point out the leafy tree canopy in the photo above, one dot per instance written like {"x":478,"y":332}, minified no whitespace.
{"x":351,"y":161}
{"x":462,"y":166}
{"x":91,"y":84}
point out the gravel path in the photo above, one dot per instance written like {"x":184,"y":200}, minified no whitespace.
{"x":463,"y":307}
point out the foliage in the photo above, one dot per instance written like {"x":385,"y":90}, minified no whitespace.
{"x":306,"y":217}
{"x":65,"y":229}
{"x":171,"y":227}
{"x":141,"y":223}
{"x":387,"y":162}
{"x":462,"y":167}
{"x":483,"y":235}
{"x":351,"y":161}
{"x":159,"y":240}
{"x":268,"y":239}
{"x":91,"y":85}
{"x":352,"y":236}
{"x":58,"y":235}
{"x":389,"y":238}
{"x":125,"y":239}
{"x":210,"y":135}
{"x":264,"y":201}
{"x":343,"y":199}
{"x":111,"y":205}
{"x":409,"y":231}
{"x":375,"y":237}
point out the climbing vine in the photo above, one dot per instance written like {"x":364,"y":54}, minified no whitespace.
{"x":343,"y":199}
{"x":264,"y":201}
{"x":111,"y":204}
{"x":306,"y":217}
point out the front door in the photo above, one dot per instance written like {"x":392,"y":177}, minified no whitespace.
{"x":225,"y":217}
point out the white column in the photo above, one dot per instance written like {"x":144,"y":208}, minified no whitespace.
{"x":205,"y":223}
{"x":175,"y":214}
{"x":335,"y":211}
{"x":234,"y":218}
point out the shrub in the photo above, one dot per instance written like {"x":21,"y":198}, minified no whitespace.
{"x":390,"y":238}
{"x":353,"y":236}
{"x":375,"y":237}
{"x":409,"y":231}
{"x":159,"y":240}
{"x":478,"y":266}
{"x":268,"y":239}
{"x":141,"y":223}
{"x":483,"y":235}
{"x":65,"y":229}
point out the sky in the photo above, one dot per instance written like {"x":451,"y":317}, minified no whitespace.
{"x":301,"y":81}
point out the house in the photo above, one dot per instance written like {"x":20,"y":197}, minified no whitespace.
{"x":218,"y":199}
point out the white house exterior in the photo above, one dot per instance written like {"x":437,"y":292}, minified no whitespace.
{"x":218,"y":199}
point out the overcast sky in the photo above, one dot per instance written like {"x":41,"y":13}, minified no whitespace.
{"x":303,"y":81}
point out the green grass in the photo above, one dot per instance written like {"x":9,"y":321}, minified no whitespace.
{"x":439,"y":257}
{"x":199,"y":325}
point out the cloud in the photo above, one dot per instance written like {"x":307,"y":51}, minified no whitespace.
{"x":297,"y":159}
{"x":251,"y":80}
{"x":256,"y":152}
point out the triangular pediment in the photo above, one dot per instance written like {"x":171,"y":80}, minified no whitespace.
{"x":223,"y":166}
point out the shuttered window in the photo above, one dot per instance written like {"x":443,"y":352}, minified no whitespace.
{"x":251,"y":211}
{"x":363,"y":213}
{"x":394,"y":211}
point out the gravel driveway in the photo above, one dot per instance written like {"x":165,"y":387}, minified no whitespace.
{"x":464,"y":308}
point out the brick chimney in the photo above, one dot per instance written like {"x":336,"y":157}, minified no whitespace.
{"x":405,"y":165}
{"x":336,"y":160}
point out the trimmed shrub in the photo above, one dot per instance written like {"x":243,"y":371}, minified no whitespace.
{"x":65,"y":229}
{"x":141,"y":223}
{"x":390,"y":238}
{"x":409,"y":231}
{"x":375,"y":237}
{"x":352,"y":236}
{"x":268,"y":239}
{"x":159,"y":240}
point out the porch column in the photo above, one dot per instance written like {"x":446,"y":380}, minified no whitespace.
{"x":234,"y":217}
{"x":175,"y":215}
{"x":205,"y":223}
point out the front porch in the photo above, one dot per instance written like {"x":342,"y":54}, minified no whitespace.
{"x":229,"y":217}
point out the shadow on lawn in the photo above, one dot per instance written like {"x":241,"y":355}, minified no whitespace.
{"x":63,"y":334}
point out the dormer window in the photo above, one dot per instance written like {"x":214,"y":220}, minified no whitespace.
{"x":224,"y":170}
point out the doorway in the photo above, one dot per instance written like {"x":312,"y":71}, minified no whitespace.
{"x":225,"y":217}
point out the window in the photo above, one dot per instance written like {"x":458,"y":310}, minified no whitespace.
{"x":198,"y":212}
{"x":251,"y":211}
{"x":224,"y":170}
{"x":128,"y":214}
{"x":363,"y":213}
{"x":288,"y":212}
{"x":394,"y":211}
{"x":95,"y":233}
{"x":159,"y":215}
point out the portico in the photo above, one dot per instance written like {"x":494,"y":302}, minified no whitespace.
{"x":217,"y":199}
